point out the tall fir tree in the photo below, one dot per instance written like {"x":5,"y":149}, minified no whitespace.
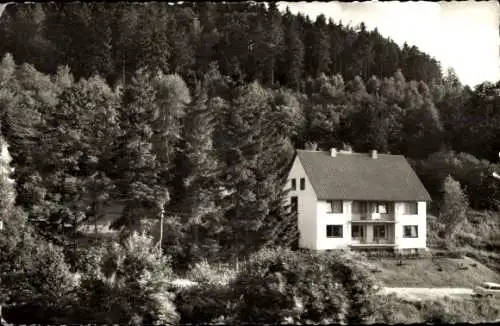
{"x":252,"y":151}
{"x":292,"y":62}
{"x":194,"y":195}
{"x":171,"y":97}
{"x":136,"y":166}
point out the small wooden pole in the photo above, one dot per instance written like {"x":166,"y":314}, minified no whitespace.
{"x":161,"y":228}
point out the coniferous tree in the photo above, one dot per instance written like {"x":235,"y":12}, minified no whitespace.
{"x":76,"y":136}
{"x":293,"y":58}
{"x":274,"y":41}
{"x":252,"y":152}
{"x":171,"y":97}
{"x":336,"y":46}
{"x":207,"y":38}
{"x":194,"y":197}
{"x":137,"y":168}
{"x":58,"y":158}
{"x":154,"y":48}
{"x":100,"y":129}
{"x":318,"y":48}
{"x":182,"y":39}
{"x":480,"y":125}
{"x":422,"y":126}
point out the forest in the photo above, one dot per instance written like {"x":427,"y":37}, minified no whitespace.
{"x":189,"y":114}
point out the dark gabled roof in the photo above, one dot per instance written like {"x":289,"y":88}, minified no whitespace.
{"x":357,"y":176}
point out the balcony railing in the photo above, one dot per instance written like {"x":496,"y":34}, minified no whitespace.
{"x":372,"y":217}
{"x":373,"y":242}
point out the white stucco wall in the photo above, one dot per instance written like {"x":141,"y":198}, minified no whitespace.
{"x":306,"y":206}
{"x":402,"y":219}
{"x":313,"y":217}
{"x":325,"y":218}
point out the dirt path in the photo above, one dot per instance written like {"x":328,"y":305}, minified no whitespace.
{"x":428,"y":293}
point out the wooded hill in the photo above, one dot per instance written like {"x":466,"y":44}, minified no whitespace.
{"x":196,"y":109}
{"x":248,"y":41}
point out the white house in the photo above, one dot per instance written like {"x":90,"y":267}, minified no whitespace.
{"x":347,"y":200}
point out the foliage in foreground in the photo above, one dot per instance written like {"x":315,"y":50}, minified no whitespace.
{"x":34,"y":277}
{"x":37,"y":281}
{"x":127,"y":284}
{"x":392,"y":309}
{"x":281,"y":285}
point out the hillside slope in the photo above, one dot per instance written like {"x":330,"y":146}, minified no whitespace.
{"x":432,"y":272}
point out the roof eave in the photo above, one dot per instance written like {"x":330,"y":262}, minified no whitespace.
{"x":376,"y":199}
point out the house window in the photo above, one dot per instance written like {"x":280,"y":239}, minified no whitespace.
{"x":294,"y":203}
{"x":382,"y":208}
{"x":379,"y":231}
{"x":379,"y":207}
{"x":334,"y":231}
{"x":411,"y":208}
{"x":410,"y":231}
{"x":357,"y":231}
{"x":302,"y":183}
{"x":359,"y":207}
{"x":335,"y":207}
{"x":294,"y":184}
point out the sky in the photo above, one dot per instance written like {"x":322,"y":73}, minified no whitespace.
{"x":462,"y":35}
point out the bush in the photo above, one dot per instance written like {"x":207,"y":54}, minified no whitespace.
{"x":456,"y":254}
{"x":456,"y":311}
{"x":281,"y":285}
{"x":203,"y":303}
{"x":36,"y":281}
{"x":393,"y":310}
{"x":436,"y":312}
{"x":126,"y":284}
{"x":203,"y":272}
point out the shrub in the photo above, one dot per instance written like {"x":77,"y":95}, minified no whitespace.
{"x":281,"y":285}
{"x":203,"y":272}
{"x":454,"y":207}
{"x":203,"y":303}
{"x":35,"y":279}
{"x":392,"y":310}
{"x":456,"y":254}
{"x":452,"y":311}
{"x":436,"y":312}
{"x":124,"y":284}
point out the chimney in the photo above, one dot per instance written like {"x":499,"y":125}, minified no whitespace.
{"x":333,"y":152}
{"x":374,"y":154}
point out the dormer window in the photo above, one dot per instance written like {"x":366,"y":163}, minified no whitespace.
{"x":302,"y":183}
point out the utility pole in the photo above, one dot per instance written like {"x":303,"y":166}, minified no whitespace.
{"x":162,"y":214}
{"x":163,"y":199}
{"x":123,"y":70}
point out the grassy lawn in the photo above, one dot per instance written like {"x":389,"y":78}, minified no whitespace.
{"x":436,"y":272}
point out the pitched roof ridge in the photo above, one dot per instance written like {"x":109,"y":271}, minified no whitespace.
{"x":356,"y":174}
{"x":309,"y":150}
{"x":347,"y":152}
